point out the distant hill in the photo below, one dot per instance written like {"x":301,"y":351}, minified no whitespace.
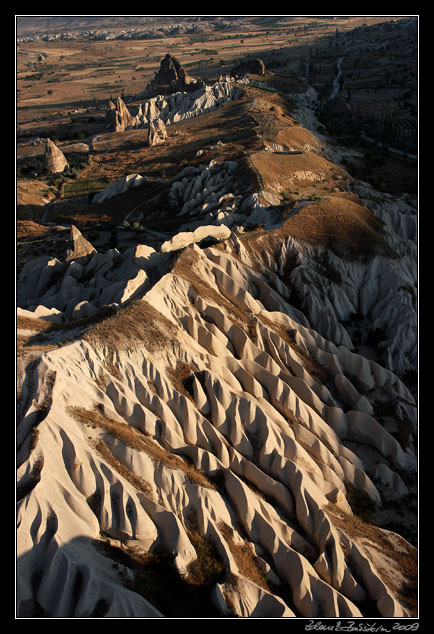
{"x":32,"y":23}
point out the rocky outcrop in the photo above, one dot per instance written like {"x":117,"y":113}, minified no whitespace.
{"x":118,"y":116}
{"x":157,"y":132}
{"x":171,"y":77}
{"x":207,"y":193}
{"x":85,"y":282}
{"x":54,"y":159}
{"x":118,"y":187}
{"x":110,"y":112}
{"x":181,"y":105}
{"x":252,"y":66}
{"x":80,"y":249}
{"x":169,"y":109}
{"x":209,"y":233}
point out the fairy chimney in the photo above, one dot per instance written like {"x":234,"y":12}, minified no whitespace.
{"x":118,"y":116}
{"x":80,"y":250}
{"x":157,"y":132}
{"x":54,"y":159}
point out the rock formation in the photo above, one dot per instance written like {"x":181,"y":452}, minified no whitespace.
{"x":182,"y":105}
{"x":80,"y":249}
{"x":254,"y":66}
{"x":157,"y":132}
{"x":209,"y":410}
{"x":201,"y":234}
{"x":170,"y":108}
{"x":171,"y":77}
{"x":54,"y":159}
{"x":118,"y":116}
{"x":222,"y":408}
{"x":208,"y":193}
{"x":118,"y":187}
{"x":85,"y":281}
{"x":110,"y":112}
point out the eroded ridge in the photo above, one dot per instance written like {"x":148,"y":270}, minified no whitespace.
{"x":206,"y":437}
{"x":221,"y":422}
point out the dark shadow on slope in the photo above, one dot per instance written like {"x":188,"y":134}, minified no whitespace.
{"x":151,"y":575}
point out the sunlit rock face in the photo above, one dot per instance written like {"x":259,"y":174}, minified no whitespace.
{"x":168,"y":109}
{"x":54,"y":159}
{"x":210,"y":406}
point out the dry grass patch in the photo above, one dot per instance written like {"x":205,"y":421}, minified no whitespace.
{"x":137,"y":440}
{"x":34,"y":324}
{"x":297,"y":138}
{"x":40,"y":335}
{"x":338,"y":222}
{"x":182,"y":377}
{"x":261,"y":248}
{"x":35,"y":334}
{"x":245,"y":559}
{"x":32,"y":196}
{"x":405,"y":557}
{"x":207,"y":565}
{"x":28,"y":229}
{"x":137,"y":324}
{"x":349,"y":229}
{"x":283,"y":83}
{"x":138,"y":483}
{"x":130,"y":436}
{"x":282,"y":171}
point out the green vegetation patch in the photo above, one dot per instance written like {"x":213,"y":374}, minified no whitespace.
{"x":81,"y":187}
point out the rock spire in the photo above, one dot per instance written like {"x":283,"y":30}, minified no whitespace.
{"x":54,"y":158}
{"x":172,"y":77}
{"x":118,"y":116}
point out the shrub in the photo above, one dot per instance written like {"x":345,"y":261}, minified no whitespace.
{"x":93,"y":235}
